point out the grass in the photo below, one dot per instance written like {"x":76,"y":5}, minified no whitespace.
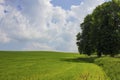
{"x":48,"y":66}
{"x":111,"y":66}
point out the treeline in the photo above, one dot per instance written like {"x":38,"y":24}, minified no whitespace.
{"x":101,"y":31}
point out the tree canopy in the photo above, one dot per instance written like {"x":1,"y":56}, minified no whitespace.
{"x":101,"y":30}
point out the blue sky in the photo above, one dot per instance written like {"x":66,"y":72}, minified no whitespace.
{"x":65,"y":4}
{"x":42,"y":24}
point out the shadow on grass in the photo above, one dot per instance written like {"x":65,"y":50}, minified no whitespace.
{"x":81,"y":60}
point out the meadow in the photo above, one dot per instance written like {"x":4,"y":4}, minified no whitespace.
{"x":43,"y":65}
{"x":111,"y":66}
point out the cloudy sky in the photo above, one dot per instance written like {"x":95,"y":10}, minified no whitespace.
{"x":42,"y":24}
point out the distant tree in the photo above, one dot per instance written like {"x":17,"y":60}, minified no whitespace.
{"x":101,"y":30}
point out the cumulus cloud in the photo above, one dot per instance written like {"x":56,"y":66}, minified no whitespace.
{"x":37,"y":46}
{"x":85,"y":7}
{"x":41,"y":26}
{"x":1,"y":1}
{"x":3,"y":37}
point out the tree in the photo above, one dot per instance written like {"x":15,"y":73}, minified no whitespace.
{"x":84,"y":39}
{"x":101,"y":30}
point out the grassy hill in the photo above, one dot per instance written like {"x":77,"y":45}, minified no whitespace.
{"x":49,"y":66}
{"x":111,"y":66}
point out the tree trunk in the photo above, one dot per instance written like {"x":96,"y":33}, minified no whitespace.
{"x":99,"y":54}
{"x":112,"y":55}
{"x":89,"y":54}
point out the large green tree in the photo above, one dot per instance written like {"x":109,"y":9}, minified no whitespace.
{"x":84,"y":40}
{"x":101,"y":30}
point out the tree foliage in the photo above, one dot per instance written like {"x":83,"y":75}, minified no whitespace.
{"x":101,"y":30}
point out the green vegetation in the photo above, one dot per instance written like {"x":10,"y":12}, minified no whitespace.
{"x":111,"y":66}
{"x":101,"y":35}
{"x":101,"y":30}
{"x":48,"y":66}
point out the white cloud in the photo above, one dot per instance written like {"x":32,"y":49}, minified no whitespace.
{"x":1,"y":8}
{"x":37,"y":46}
{"x":43,"y":26}
{"x":4,"y":38}
{"x":85,"y":7}
{"x":16,"y":25}
{"x":1,"y":1}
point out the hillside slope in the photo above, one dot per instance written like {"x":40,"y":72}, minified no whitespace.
{"x":48,"y":66}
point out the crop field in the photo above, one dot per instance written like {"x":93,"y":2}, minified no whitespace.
{"x":43,"y":65}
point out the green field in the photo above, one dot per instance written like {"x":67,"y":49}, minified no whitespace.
{"x":111,"y":66}
{"x":51,"y":66}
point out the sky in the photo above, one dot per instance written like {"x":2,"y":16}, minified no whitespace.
{"x":49,"y":25}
